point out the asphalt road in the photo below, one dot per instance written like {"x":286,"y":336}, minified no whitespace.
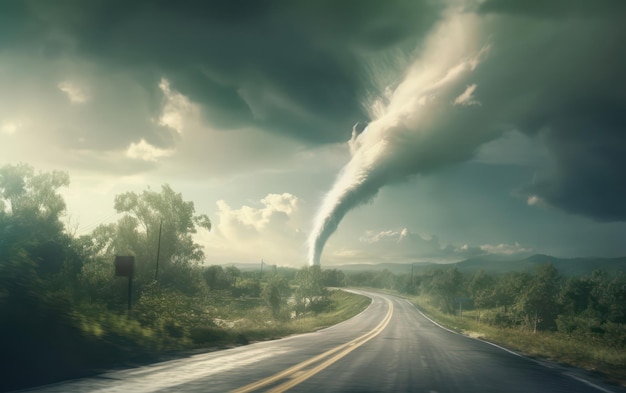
{"x":390,"y":347}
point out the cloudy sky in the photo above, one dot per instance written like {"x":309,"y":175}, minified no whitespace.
{"x":482,"y":127}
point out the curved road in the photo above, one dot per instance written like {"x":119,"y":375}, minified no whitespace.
{"x":390,"y":347}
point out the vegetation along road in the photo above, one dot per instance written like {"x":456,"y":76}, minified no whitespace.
{"x":391,"y":346}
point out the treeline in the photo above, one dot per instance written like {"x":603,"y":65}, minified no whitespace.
{"x":593,"y":305}
{"x":63,"y":311}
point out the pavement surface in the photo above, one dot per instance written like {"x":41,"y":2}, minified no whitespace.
{"x":390,"y":347}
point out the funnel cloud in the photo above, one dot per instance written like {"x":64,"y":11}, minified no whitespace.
{"x":422,"y":125}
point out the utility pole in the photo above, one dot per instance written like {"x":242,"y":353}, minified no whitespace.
{"x":261,"y":267}
{"x":156,"y":272}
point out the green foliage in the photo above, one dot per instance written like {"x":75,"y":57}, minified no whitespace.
{"x":445,"y":286}
{"x":63,"y":311}
{"x":137,"y":233}
{"x":311,"y":290}
{"x":246,"y":287}
{"x":271,"y":297}
{"x":333,"y":278}
{"x":538,"y":301}
{"x":208,"y":334}
{"x":275,"y":294}
{"x":29,"y":195}
{"x":603,"y":354}
{"x":480,"y":288}
{"x":58,"y":294}
{"x":215,"y":278}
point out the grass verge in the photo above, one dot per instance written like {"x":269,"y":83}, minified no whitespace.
{"x":571,"y":350}
{"x":343,"y":305}
{"x":87,"y":344}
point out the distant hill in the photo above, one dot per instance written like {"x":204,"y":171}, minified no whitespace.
{"x":499,"y":265}
{"x":493,"y":264}
{"x":565,"y":266}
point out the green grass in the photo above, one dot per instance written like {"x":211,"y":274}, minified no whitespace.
{"x":566,"y":349}
{"x":93,"y":338}
{"x":343,"y":306}
{"x":236,"y":321}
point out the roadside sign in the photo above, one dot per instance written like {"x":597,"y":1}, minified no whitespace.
{"x":124,"y":266}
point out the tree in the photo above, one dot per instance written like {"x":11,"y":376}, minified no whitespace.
{"x":35,"y":254}
{"x":445,"y":286}
{"x":231,"y":275}
{"x":215,"y":278}
{"x":34,"y":195}
{"x":538,"y":302}
{"x":137,"y":233}
{"x":275,"y":292}
{"x":576,"y":295}
{"x":508,"y":288}
{"x":310,"y":290}
{"x":30,"y":211}
{"x":333,"y":278}
{"x":480,"y":289}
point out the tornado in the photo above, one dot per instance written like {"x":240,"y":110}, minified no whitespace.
{"x":428,"y":120}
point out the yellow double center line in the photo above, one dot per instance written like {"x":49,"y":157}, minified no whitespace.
{"x":296,"y":376}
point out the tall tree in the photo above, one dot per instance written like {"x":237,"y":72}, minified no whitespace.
{"x":481,"y":289}
{"x":147,"y":215}
{"x":310,"y":288}
{"x":445,"y":286}
{"x":539,"y":301}
{"x":30,"y":211}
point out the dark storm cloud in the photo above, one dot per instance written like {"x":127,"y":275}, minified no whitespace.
{"x":556,"y":77}
{"x":289,"y":67}
{"x":554,"y":8}
{"x":555,"y":69}
{"x":558,"y":72}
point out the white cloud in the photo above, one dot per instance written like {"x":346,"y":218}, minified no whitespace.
{"x":73,"y":92}
{"x":404,"y":246}
{"x":270,"y":229}
{"x":535,"y":200}
{"x":467,"y":97}
{"x":395,"y":246}
{"x":376,"y":237}
{"x":176,"y":108}
{"x":284,"y":202}
{"x":146,"y":152}
{"x":505,"y":249}
{"x":276,"y":207}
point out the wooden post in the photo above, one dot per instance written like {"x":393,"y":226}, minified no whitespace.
{"x":125,"y":267}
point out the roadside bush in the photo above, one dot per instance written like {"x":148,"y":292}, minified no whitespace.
{"x":246,"y":287}
{"x":321,"y":304}
{"x":207,"y":334}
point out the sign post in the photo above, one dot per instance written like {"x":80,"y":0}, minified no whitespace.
{"x":125,"y":267}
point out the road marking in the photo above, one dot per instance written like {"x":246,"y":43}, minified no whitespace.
{"x":593,"y":385}
{"x":301,"y":376}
